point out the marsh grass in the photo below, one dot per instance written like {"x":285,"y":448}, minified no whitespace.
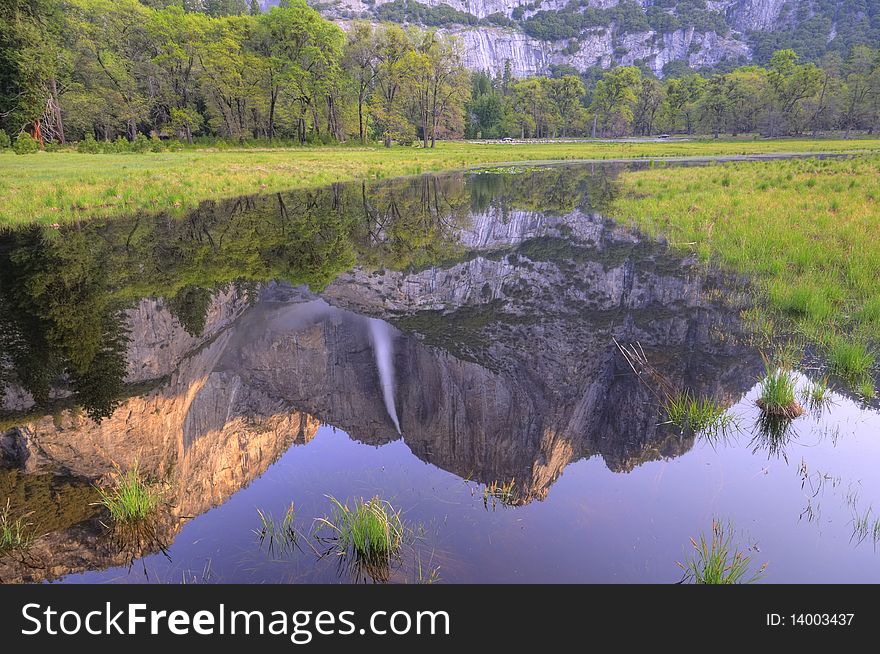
{"x":16,"y":533}
{"x":427,"y":574}
{"x":852,"y":361}
{"x":718,"y":561}
{"x":130,"y":498}
{"x":806,"y":231}
{"x":58,"y":187}
{"x":778,"y":397}
{"x":816,"y":394}
{"x":369,"y":532}
{"x":280,"y":537}
{"x":697,"y":414}
{"x":865,"y":526}
{"x":500,"y":491}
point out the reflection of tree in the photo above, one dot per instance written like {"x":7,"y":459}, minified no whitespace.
{"x":58,"y":318}
{"x":412,"y":223}
{"x":557,"y":189}
{"x":190,"y":307}
{"x":64,"y":293}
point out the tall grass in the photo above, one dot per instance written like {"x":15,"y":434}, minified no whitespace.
{"x":15,"y":533}
{"x":130,"y":498}
{"x":778,"y":396}
{"x":718,"y":561}
{"x":851,"y":361}
{"x":697,"y":414}
{"x":370,"y":530}
{"x":281,"y":536}
{"x":806,"y":231}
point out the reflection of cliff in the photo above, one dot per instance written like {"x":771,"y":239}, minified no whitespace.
{"x":501,"y":366}
{"x":506,"y":368}
{"x":202,"y":451}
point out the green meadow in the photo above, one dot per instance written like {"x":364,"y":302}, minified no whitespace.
{"x":807,"y":232}
{"x":55,"y":187}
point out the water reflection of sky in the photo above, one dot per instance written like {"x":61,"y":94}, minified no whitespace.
{"x":594,"y":526}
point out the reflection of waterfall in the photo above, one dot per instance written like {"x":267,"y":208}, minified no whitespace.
{"x":381,"y":334}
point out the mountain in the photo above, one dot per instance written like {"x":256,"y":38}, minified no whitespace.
{"x":663,"y":35}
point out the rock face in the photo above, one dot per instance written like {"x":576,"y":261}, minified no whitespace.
{"x":488,"y":49}
{"x":488,"y":46}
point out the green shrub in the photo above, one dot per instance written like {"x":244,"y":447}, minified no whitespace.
{"x":5,"y":142}
{"x":88,"y":145}
{"x":121,"y":145}
{"x":25,"y":144}
{"x":156,"y":144}
{"x":140,"y":144}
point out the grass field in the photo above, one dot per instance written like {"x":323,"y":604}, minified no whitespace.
{"x":807,"y":231}
{"x":63,"y":186}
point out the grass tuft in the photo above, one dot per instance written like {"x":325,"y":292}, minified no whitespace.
{"x":697,"y":414}
{"x":370,"y":531}
{"x":778,"y":398}
{"x":851,"y":361}
{"x":718,"y":561}
{"x":280,"y":537}
{"x":15,"y":533}
{"x":130,"y":499}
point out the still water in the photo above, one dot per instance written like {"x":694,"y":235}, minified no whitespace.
{"x":424,"y":340}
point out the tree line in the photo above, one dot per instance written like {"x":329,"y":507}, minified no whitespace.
{"x":105,"y":69}
{"x":174,"y":71}
{"x":787,"y":97}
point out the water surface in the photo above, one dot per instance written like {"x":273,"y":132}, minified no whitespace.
{"x":421,"y":340}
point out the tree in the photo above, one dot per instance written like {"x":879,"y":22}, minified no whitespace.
{"x":361,"y":62}
{"x":566,"y":93}
{"x":650,"y":97}
{"x":683,"y":96}
{"x":112,"y":44}
{"x":441,"y":79}
{"x":614,"y":99}
{"x":32,"y":60}
{"x":388,"y":107}
{"x":791,"y":83}
{"x":861,"y":88}
{"x":299,"y":50}
{"x":175,"y":38}
{"x":748,"y":98}
{"x":717,"y":103}
{"x":230,"y":75}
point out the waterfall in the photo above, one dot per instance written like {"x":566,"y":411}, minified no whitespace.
{"x":381,"y":335}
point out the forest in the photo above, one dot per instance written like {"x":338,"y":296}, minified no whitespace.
{"x":122,"y":75}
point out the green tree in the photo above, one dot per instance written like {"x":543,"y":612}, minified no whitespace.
{"x":388,"y":106}
{"x":614,"y":100}
{"x":567,"y":93}
{"x":361,"y":62}
{"x":791,"y":83}
{"x":683,"y":97}
{"x":648,"y":102}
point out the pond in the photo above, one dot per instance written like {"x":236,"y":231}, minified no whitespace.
{"x":452,"y":344}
